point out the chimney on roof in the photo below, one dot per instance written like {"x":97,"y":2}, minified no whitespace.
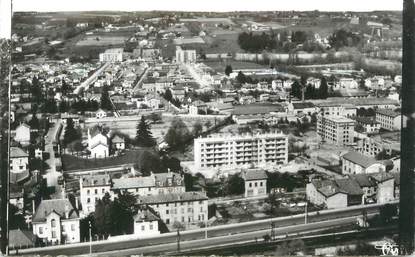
{"x":66,"y":211}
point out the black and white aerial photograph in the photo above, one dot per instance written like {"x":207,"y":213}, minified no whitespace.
{"x":207,"y":128}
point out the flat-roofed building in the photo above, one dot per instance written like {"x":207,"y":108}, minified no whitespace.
{"x":185,"y":56}
{"x":389,"y":119}
{"x":230,"y":151}
{"x":336,"y":130}
{"x":112,"y":55}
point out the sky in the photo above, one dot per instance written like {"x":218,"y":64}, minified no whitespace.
{"x":205,"y":5}
{"x":5,"y":19}
{"x":188,"y":5}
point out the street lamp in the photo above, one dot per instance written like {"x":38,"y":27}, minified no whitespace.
{"x":90,"y":238}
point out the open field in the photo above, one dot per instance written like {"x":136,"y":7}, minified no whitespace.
{"x":70,"y":162}
{"x":224,"y":43}
{"x":101,"y":40}
{"x":220,"y":66}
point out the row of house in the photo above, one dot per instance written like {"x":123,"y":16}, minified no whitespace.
{"x":357,"y":189}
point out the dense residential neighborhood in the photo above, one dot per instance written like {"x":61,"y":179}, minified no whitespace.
{"x":140,"y":126}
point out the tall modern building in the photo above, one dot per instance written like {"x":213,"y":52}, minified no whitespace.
{"x":185,"y":56}
{"x":407,"y":192}
{"x":112,"y":55}
{"x":231,"y":151}
{"x":337,"y":130}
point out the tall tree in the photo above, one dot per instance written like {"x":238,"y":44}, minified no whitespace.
{"x":144,"y":136}
{"x":177,"y":135}
{"x":105,"y":99}
{"x":71,"y":134}
{"x":168,"y":95}
{"x":323,"y":91}
{"x":197,"y":129}
{"x":148,"y":162}
{"x":34,"y":122}
{"x":102,"y":215}
{"x":228,"y":70}
{"x":235,"y":185}
{"x":241,"y":78}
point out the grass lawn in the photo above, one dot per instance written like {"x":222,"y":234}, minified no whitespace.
{"x":71,"y":162}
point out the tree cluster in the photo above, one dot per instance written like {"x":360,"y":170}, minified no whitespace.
{"x":310,"y":92}
{"x":252,"y":42}
{"x":235,"y":185}
{"x":70,"y":134}
{"x":112,"y":217}
{"x":82,"y":105}
{"x":178,"y":135}
{"x":151,"y":162}
{"x":343,"y":38}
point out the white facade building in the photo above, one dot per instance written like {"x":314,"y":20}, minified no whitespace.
{"x":19,"y":160}
{"x":255,"y":182}
{"x":22,"y":134}
{"x":356,"y":163}
{"x":98,"y":144}
{"x":146,"y":223}
{"x":389,"y":119}
{"x":186,"y":207}
{"x":336,"y":130}
{"x":93,"y":188}
{"x":241,"y":150}
{"x":112,"y":55}
{"x":185,"y":56}
{"x":56,"y":221}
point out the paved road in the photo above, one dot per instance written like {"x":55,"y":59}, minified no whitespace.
{"x":52,"y":174}
{"x":256,"y":227}
{"x":91,"y":79}
{"x":137,"y":86}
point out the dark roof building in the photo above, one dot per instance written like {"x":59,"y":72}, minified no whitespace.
{"x":254,"y":174}
{"x":169,"y":198}
{"x":59,"y":206}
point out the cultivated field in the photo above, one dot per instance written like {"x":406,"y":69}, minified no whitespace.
{"x":220,"y":66}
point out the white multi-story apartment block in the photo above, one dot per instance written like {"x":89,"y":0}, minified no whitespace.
{"x":56,"y":221}
{"x":389,"y":119}
{"x":186,"y":208}
{"x":231,"y":151}
{"x":92,"y":189}
{"x":336,"y":130}
{"x":185,"y":56}
{"x":111,"y":55}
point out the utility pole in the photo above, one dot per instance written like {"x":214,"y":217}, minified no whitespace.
{"x":178,"y":240}
{"x":206,"y":227}
{"x":90,"y":238}
{"x":407,"y":169}
{"x":306,"y":212}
